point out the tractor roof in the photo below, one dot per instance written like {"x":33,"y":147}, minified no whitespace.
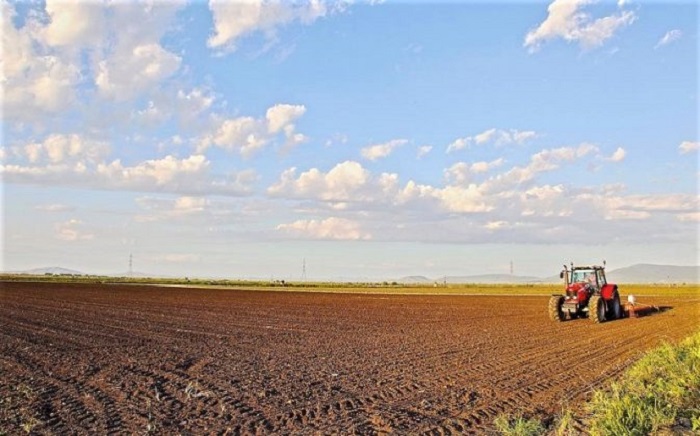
{"x":587,"y":267}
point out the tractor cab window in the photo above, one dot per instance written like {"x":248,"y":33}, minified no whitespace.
{"x":585,"y":276}
{"x":580,"y":276}
{"x":601,"y":278}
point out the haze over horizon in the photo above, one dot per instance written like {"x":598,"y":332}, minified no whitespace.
{"x":361,"y":139}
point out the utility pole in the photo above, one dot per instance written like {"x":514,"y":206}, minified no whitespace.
{"x":303,"y":270}
{"x":131,"y":265}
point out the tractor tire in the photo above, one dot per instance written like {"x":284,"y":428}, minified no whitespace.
{"x":615,"y":307}
{"x":555,"y":312}
{"x":596,"y":309}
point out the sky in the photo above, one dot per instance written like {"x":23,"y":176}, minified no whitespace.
{"x":348,"y":140}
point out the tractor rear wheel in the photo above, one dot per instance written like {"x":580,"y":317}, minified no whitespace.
{"x":596,"y":309}
{"x":555,"y":311}
{"x":615,"y":307}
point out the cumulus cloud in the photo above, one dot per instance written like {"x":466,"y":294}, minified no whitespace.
{"x":54,"y":207}
{"x":67,"y":160}
{"x":378,"y":151}
{"x":566,"y":20}
{"x":71,"y":231}
{"x":33,"y":80}
{"x":688,"y":146}
{"x":669,"y":37}
{"x":74,"y":23}
{"x":63,"y":148}
{"x":481,"y":202}
{"x":462,"y":172}
{"x":347,"y":181}
{"x":130,"y":72}
{"x":618,"y":155}
{"x":424,"y":150}
{"x":51,"y":60}
{"x":235,"y":20}
{"x":248,"y":135}
{"x":458,"y":144}
{"x":329,"y":228}
{"x":498,"y":137}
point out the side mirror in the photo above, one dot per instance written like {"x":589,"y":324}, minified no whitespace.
{"x":561,"y":275}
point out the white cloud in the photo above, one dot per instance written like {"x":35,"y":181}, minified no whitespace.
{"x":280,"y":116}
{"x":74,"y":23}
{"x":190,"y":204}
{"x":378,"y":151}
{"x":461,"y":173}
{"x":34,"y":80}
{"x":543,"y":161}
{"x":458,"y":144}
{"x":248,"y":135}
{"x":669,"y":37}
{"x":483,"y":167}
{"x":688,"y":146}
{"x":484,"y":137}
{"x":189,"y":175}
{"x":129,"y":73}
{"x":618,"y":155}
{"x":566,"y":20}
{"x":60,"y":148}
{"x":347,"y":181}
{"x":494,"y":136}
{"x":424,"y":150}
{"x":55,"y":207}
{"x":72,"y":230}
{"x":180,"y":258}
{"x":190,"y":104}
{"x":234,"y":20}
{"x":329,"y":228}
{"x":61,"y":47}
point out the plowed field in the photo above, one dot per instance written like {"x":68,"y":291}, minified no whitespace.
{"x":108,"y":359}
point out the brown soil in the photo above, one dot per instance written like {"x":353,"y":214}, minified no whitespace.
{"x":107,"y":359}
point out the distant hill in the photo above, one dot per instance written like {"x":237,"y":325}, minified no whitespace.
{"x":639,"y":273}
{"x":483,"y":278}
{"x":493,"y":279}
{"x":55,"y":270}
{"x":647,"y":273}
{"x":417,"y":280}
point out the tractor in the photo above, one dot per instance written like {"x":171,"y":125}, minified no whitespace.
{"x":587,"y":293}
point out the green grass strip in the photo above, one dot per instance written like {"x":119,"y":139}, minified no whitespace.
{"x":659,"y":391}
{"x":659,"y":394}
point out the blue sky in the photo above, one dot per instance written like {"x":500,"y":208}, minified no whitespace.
{"x":372,"y":139}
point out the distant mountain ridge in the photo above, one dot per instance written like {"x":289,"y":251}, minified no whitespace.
{"x":55,"y":270}
{"x":649,"y":273}
{"x":639,"y":273}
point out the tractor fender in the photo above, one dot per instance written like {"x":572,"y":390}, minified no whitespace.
{"x":608,"y":291}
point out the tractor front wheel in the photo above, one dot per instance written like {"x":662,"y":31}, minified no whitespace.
{"x":555,"y":304}
{"x":615,"y":307}
{"x":596,"y":309}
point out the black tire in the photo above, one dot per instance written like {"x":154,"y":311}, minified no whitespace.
{"x":555,"y":311}
{"x":596,"y":309}
{"x":615,"y":307}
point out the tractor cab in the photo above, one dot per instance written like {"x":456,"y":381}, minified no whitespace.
{"x":590,"y":279}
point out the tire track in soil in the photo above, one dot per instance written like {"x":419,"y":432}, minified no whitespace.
{"x":258,"y":363}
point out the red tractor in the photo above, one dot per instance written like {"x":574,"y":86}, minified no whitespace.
{"x":587,"y":294}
